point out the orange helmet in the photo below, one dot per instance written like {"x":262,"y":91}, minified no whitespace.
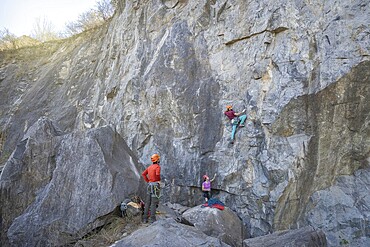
{"x":229,"y":107}
{"x":155,"y":157}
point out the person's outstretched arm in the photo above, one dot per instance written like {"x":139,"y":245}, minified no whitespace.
{"x":240,"y":113}
{"x":213,"y":177}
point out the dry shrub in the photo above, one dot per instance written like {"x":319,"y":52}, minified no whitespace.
{"x":116,"y":229}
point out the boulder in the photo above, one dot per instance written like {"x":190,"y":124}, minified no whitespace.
{"x":59,"y":187}
{"x":173,"y":210}
{"x":168,"y":233}
{"x":29,"y":168}
{"x":222,"y":224}
{"x":303,"y":237}
{"x":178,"y":208}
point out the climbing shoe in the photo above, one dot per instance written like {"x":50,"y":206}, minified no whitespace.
{"x":241,"y":125}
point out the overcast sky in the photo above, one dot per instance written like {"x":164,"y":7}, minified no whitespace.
{"x":19,"y":16}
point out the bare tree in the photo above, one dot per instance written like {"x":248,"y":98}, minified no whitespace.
{"x":105,"y":9}
{"x":87,"y":20}
{"x":91,"y":18}
{"x":43,"y":30}
{"x":7,"y":40}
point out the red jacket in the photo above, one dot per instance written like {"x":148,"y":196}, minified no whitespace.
{"x":153,"y":172}
{"x":230,"y":114}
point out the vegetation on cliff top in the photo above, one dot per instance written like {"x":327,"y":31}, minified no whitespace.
{"x":43,"y":29}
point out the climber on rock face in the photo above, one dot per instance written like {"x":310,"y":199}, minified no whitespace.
{"x":206,"y":187}
{"x":152,"y":175}
{"x":237,"y":119}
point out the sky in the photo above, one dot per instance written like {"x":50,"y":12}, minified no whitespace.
{"x":19,"y":16}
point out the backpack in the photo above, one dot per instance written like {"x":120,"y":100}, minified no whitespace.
{"x":123,"y":208}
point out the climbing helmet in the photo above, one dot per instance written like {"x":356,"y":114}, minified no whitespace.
{"x":155,"y":157}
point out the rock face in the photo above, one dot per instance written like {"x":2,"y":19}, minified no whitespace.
{"x":168,"y":233}
{"x":303,"y":237}
{"x":222,"y":224}
{"x":336,"y":120}
{"x":161,"y":72}
{"x":339,"y":210}
{"x":58,"y":187}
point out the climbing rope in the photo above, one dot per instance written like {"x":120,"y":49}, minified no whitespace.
{"x":154,"y":189}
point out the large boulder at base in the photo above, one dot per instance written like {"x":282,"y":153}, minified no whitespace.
{"x":168,"y":233}
{"x":68,"y":184}
{"x":172,"y":210}
{"x":222,"y":224}
{"x":177,"y":208}
{"x":303,"y":237}
{"x":29,"y":168}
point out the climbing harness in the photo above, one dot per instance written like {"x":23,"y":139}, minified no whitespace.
{"x":235,"y":121}
{"x":154,"y":189}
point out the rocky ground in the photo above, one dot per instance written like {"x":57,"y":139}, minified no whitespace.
{"x":198,"y":226}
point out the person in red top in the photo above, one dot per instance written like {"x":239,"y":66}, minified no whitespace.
{"x":236,"y":119}
{"x":152,"y":175}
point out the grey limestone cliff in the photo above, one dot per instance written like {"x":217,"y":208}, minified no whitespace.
{"x":161,"y":72}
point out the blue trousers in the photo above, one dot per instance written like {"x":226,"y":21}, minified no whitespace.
{"x":241,"y":120}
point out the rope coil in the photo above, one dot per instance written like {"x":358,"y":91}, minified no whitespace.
{"x":154,"y":189}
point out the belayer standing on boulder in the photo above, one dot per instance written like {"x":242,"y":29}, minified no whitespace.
{"x":206,"y":187}
{"x":237,"y":119}
{"x":152,"y":175}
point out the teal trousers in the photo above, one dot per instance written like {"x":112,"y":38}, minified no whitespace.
{"x":241,"y":120}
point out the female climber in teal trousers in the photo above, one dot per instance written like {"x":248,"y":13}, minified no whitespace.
{"x":237,"y":119}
